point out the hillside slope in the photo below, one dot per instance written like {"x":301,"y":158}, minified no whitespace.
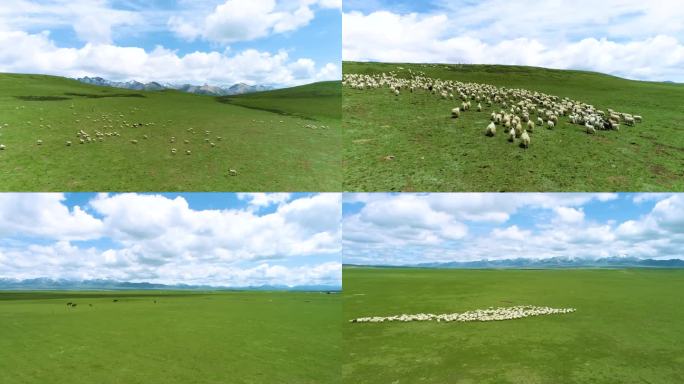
{"x":434,"y":153}
{"x":133,"y":149}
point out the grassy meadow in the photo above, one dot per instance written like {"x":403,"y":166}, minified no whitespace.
{"x":433,"y":152}
{"x":627,"y":328}
{"x":284,"y":140}
{"x":212,"y":337}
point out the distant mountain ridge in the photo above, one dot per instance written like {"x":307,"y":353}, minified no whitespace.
{"x":100,"y":284}
{"x":211,"y":90}
{"x":548,"y":263}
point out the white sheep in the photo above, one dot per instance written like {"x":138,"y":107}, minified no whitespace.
{"x":590,"y":128}
{"x":511,"y":135}
{"x":550,"y":124}
{"x":525,"y":139}
{"x":491,"y":130}
{"x":2,"y":147}
{"x":530,"y":125}
{"x":455,"y":113}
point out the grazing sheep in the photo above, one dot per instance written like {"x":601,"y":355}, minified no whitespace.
{"x":68,"y":143}
{"x":173,"y":150}
{"x":638,"y":118}
{"x":134,"y":141}
{"x":550,"y":124}
{"x":188,"y":152}
{"x":479,"y":107}
{"x":540,"y":121}
{"x":39,"y":142}
{"x":518,"y":130}
{"x":525,"y":139}
{"x":455,"y":113}
{"x":511,"y":135}
{"x":590,"y":128}
{"x":2,"y":147}
{"x":491,"y":130}
{"x":232,"y":172}
{"x":530,"y":125}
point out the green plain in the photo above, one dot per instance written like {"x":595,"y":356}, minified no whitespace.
{"x":433,"y":152}
{"x":211,"y":337}
{"x":628,"y":327}
{"x":285,"y":140}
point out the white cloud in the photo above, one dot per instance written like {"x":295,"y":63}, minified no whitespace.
{"x":511,"y":233}
{"x":37,"y":53}
{"x":629,"y":38}
{"x":91,"y":20}
{"x":246,"y":20}
{"x":44,"y":215}
{"x":409,"y":228}
{"x":569,"y":215}
{"x":259,"y":200}
{"x":159,"y":239}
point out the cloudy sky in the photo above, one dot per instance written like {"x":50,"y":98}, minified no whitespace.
{"x":635,"y":39}
{"x":283,"y":42}
{"x":215,"y":239}
{"x":414,"y":228}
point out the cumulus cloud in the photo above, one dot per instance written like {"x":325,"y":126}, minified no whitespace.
{"x":93,"y":21}
{"x":45,"y":215}
{"x":36,"y":53}
{"x":415,"y":228}
{"x":245,"y":20}
{"x":155,"y":238}
{"x":633,"y":39}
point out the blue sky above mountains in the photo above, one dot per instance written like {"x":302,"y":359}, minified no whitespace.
{"x":284,"y":42}
{"x":398,"y":229}
{"x":641,"y":40}
{"x":215,"y":239}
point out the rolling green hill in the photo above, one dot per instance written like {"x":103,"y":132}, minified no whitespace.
{"x":626,"y":328}
{"x":431,"y":152}
{"x":278,"y":143}
{"x":170,"y":337}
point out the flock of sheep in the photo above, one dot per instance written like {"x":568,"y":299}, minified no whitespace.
{"x":489,"y":314}
{"x":512,"y":109}
{"x":108,"y":123}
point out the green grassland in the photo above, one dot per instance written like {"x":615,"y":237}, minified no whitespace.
{"x":627,"y":328}
{"x":285,"y":140}
{"x":433,"y":152}
{"x":228,"y":337}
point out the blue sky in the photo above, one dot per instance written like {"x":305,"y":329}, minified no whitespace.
{"x":641,"y":40}
{"x":220,"y":239}
{"x":414,"y":228}
{"x":283,"y":42}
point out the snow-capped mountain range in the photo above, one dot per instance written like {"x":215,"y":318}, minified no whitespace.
{"x":211,"y":90}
